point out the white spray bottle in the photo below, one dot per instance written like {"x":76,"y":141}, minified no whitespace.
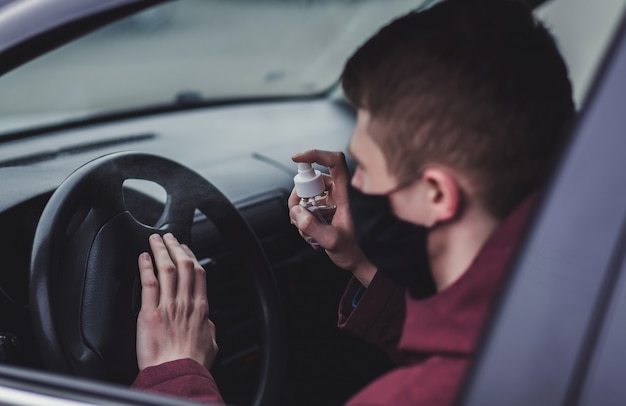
{"x":313,"y":194}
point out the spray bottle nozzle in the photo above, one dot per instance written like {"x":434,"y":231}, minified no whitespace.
{"x":308,"y":181}
{"x":305,"y":170}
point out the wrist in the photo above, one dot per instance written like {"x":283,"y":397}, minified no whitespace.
{"x":364,"y":272}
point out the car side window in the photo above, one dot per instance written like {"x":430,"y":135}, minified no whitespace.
{"x":582,"y":45}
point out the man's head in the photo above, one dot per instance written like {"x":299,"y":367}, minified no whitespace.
{"x":471,"y":87}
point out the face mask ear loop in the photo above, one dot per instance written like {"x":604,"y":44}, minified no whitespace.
{"x":406,"y":183}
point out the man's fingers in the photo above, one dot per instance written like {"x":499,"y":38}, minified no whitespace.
{"x":330,"y":159}
{"x":324,"y":235}
{"x":166,"y":269}
{"x":185,"y":266}
{"x":190,"y":253}
{"x":199,"y":286}
{"x":149,"y":283}
{"x":294,"y":199}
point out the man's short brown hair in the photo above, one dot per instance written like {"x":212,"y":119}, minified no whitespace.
{"x":478,"y":85}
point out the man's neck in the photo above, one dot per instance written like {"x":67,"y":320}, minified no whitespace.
{"x":453,"y":247}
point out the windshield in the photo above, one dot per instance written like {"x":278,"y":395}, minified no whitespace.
{"x":191,"y":51}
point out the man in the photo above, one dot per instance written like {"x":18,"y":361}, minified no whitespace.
{"x":460,"y":110}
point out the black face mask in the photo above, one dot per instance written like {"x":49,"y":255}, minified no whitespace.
{"x":397,"y":248}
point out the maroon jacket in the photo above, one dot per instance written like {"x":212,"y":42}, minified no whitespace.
{"x":432,"y":339}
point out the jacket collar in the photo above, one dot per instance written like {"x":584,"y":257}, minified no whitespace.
{"x":451,"y":321}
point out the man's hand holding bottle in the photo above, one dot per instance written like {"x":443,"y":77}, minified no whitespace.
{"x":337,"y":238}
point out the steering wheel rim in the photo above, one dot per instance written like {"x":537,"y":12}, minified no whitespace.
{"x":85,"y":318}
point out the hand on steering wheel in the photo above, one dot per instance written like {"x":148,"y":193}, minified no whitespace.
{"x":173,"y":322}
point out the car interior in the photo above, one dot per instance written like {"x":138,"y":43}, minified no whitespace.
{"x":182,"y":117}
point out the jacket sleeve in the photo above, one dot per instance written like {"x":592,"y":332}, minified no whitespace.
{"x":375,"y":314}
{"x":183,"y":378}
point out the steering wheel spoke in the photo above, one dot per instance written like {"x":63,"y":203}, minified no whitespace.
{"x":177,"y":219}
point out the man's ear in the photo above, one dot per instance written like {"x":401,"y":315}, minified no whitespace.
{"x":443,"y":194}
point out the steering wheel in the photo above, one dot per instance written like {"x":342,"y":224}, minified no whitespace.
{"x":84,"y":283}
